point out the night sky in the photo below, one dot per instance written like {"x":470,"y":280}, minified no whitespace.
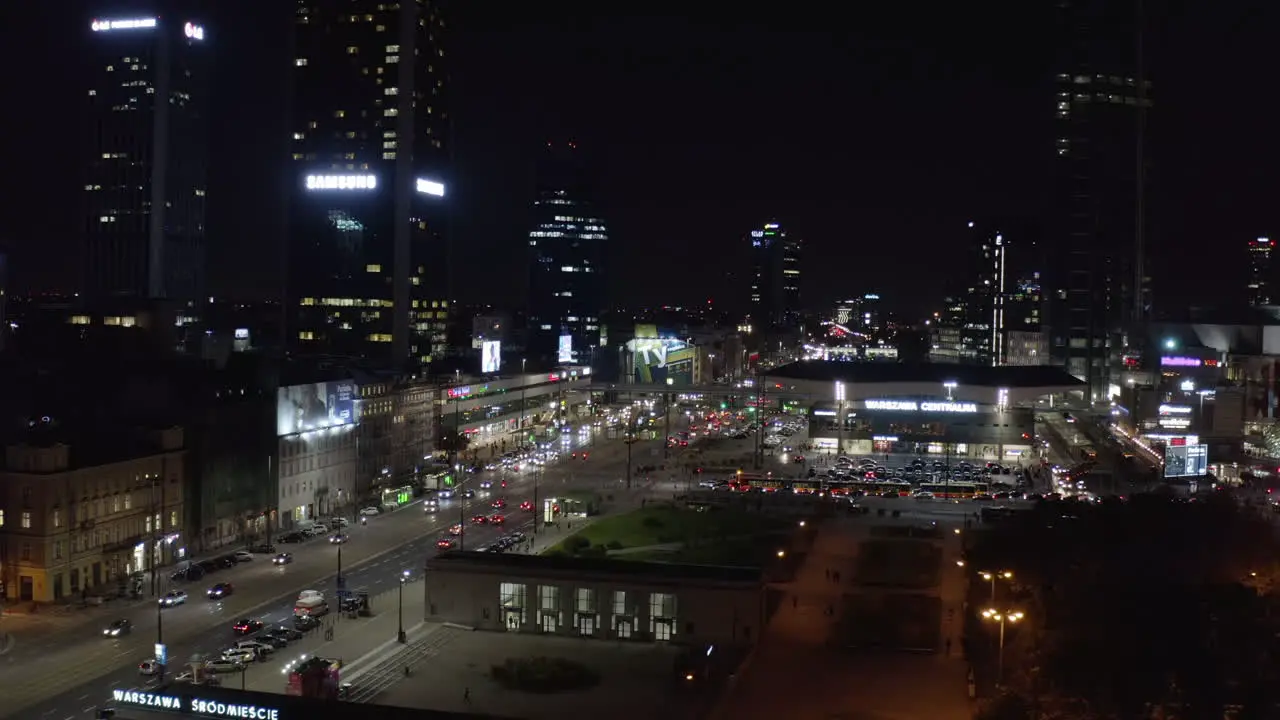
{"x":874,"y":134}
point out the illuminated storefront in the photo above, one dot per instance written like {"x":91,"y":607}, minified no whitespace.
{"x":924,"y":426}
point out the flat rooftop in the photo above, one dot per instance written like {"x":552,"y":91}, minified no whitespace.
{"x":656,"y":572}
{"x":1007,"y":376}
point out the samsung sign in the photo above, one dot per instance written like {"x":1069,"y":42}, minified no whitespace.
{"x":913,"y":406}
{"x":193,"y":705}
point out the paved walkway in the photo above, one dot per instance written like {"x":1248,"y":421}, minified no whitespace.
{"x":824,"y":681}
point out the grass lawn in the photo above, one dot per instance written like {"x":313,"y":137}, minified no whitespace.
{"x":662,"y":525}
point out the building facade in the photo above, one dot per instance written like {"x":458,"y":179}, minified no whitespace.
{"x":648,"y":602}
{"x":1261,"y":271}
{"x":567,"y":249}
{"x":775,"y":280}
{"x":396,"y":430}
{"x":1101,"y":292}
{"x":316,"y":432}
{"x":145,"y":158}
{"x":514,"y":408}
{"x":73,"y":522}
{"x":367,"y":261}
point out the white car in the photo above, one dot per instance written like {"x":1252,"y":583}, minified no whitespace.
{"x":240,"y":655}
{"x":148,"y":667}
{"x":243,"y":556}
{"x":224,"y":665}
{"x":370,"y":511}
{"x":256,"y":646}
{"x":172,"y":598}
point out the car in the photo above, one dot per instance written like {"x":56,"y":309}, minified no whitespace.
{"x":262,"y":548}
{"x":456,"y":529}
{"x":446,"y":544}
{"x":243,"y":556}
{"x":479,"y":519}
{"x":219,"y":591}
{"x":486,"y":484}
{"x":526,"y":506}
{"x":223,"y":665}
{"x":468,"y":494}
{"x":337,"y":521}
{"x":290,"y":538}
{"x":282,"y":559}
{"x":246,"y":626}
{"x":258,"y":647}
{"x":240,"y":655}
{"x":287,"y":633}
{"x":338,"y":538}
{"x":173,"y":598}
{"x":266,"y":637}
{"x":430,"y":505}
{"x":496,"y":519}
{"x":118,"y":628}
{"x":305,"y":623}
{"x":148,"y":667}
{"x":369,"y":512}
{"x":498,"y":504}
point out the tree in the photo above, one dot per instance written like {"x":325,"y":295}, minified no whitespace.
{"x":454,"y":443}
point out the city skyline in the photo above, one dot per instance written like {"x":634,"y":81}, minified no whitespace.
{"x":504,"y":114}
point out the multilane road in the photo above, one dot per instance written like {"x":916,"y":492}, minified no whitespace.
{"x":67,"y":674}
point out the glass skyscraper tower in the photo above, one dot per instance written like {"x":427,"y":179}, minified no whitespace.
{"x":365,"y":267}
{"x":145,"y":171}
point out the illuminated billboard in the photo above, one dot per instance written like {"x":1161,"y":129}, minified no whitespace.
{"x":1186,"y":460}
{"x":315,"y":406}
{"x":564,"y":353}
{"x":662,"y":360}
{"x":342,"y":182}
{"x":1178,"y":361}
{"x":430,"y":187}
{"x":913,"y":406}
{"x":193,"y":31}
{"x":490,"y":356}
{"x":127,"y":24}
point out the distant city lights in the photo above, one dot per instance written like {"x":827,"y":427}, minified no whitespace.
{"x":129,"y":24}
{"x":342,"y":182}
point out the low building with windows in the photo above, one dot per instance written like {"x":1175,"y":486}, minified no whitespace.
{"x":84,"y":517}
{"x":596,"y":598}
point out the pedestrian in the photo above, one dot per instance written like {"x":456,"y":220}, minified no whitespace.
{"x":466,"y":695}
{"x":827,"y":573}
{"x":948,"y":647}
{"x":837,"y":576}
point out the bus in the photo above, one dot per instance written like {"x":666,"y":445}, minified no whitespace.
{"x":950,"y":491}
{"x":760,"y":482}
{"x":811,"y":486}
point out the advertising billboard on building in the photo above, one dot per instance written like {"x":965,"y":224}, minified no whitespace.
{"x":659,"y":360}
{"x":565,"y":352}
{"x":490,"y":356}
{"x":315,"y":406}
{"x":1186,"y":460}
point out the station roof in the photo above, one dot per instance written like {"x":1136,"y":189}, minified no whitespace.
{"x":656,"y":572}
{"x":1004,"y":376}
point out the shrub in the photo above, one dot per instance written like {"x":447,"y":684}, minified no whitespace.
{"x":543,"y":675}
{"x":614,"y":545}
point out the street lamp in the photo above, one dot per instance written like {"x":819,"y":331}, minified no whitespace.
{"x":1008,"y":616}
{"x":404,"y":578}
{"x":524,"y":387}
{"x":950,"y":386}
{"x":991,"y":577}
{"x":839,"y":417}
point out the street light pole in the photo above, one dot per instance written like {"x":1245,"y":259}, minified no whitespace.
{"x":1001,"y":617}
{"x":524,"y":387}
{"x":666,"y":414}
{"x":991,"y":577}
{"x":160,"y":638}
{"x":400,"y":636}
{"x":537,"y":476}
{"x":629,"y":440}
{"x":340,"y":585}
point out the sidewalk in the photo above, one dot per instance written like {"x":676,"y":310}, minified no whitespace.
{"x":797,"y":651}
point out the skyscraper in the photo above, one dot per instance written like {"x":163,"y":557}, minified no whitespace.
{"x":567,"y":244}
{"x":985,"y":302}
{"x":1261,"y":271}
{"x":365,"y":263}
{"x":145,"y":166}
{"x":1100,"y":290}
{"x":775,"y":280}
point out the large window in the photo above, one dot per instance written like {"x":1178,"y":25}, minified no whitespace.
{"x":623,"y":621}
{"x":512,"y":601}
{"x":548,"y":608}
{"x":587,"y":615}
{"x":662,"y":615}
